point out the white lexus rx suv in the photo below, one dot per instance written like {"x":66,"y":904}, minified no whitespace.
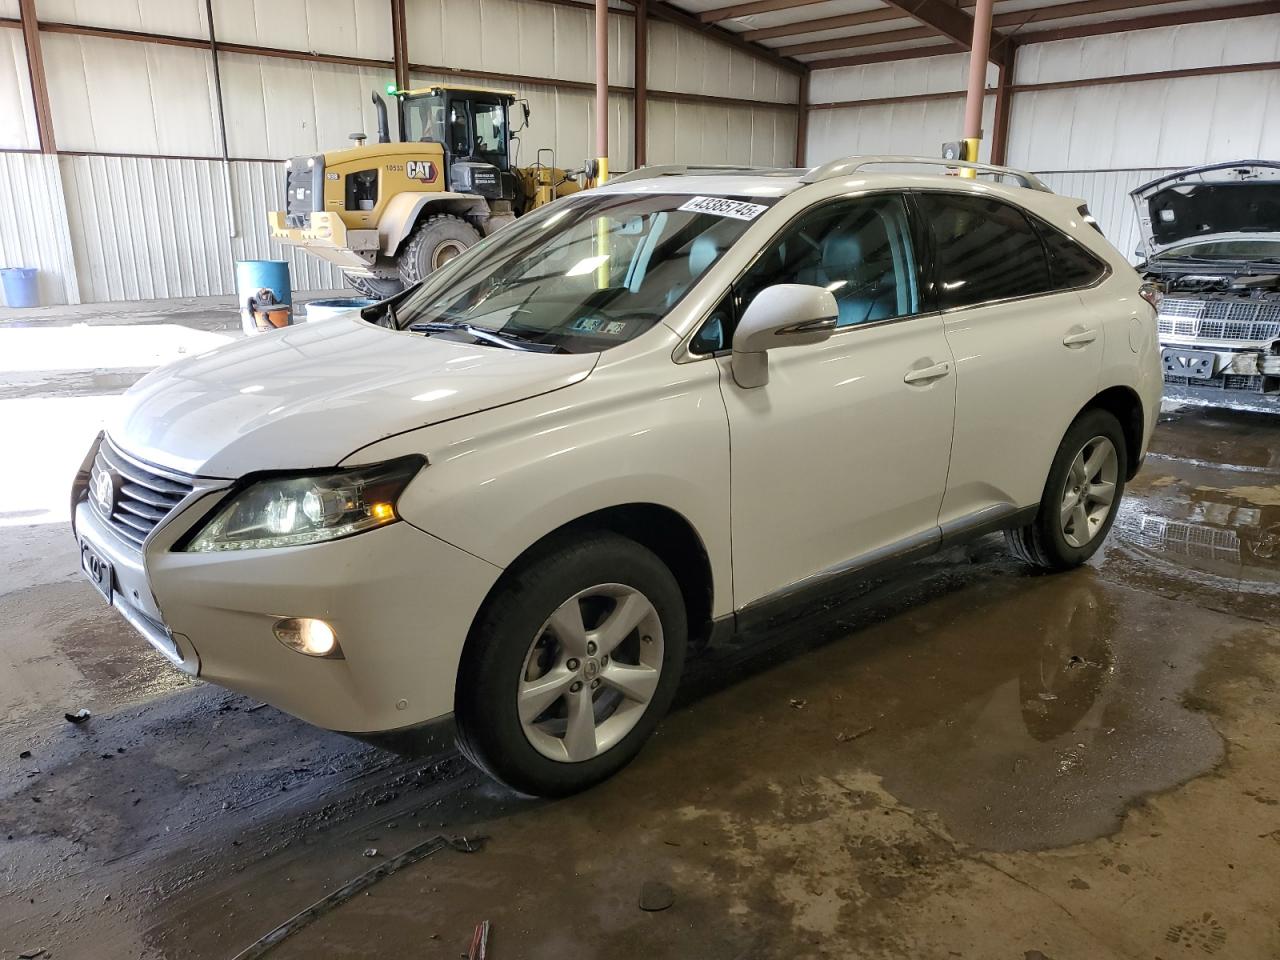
{"x":519,"y":492}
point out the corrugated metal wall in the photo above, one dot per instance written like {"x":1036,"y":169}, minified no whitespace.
{"x":33,"y":230}
{"x":918,"y":128}
{"x":141,"y":227}
{"x":1107,"y":194}
{"x":117,"y":227}
{"x":148,"y":228}
{"x":1097,"y":142}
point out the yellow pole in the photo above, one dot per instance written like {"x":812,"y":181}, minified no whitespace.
{"x":602,"y":135}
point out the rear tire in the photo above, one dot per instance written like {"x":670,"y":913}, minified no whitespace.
{"x":1081,"y":496}
{"x":434,"y":243}
{"x":550,"y":709}
{"x":376,"y":288}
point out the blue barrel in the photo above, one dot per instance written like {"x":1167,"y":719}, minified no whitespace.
{"x":20,"y":288}
{"x":253,"y":276}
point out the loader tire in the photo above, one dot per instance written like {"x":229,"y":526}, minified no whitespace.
{"x":376,"y":288}
{"x":434,"y":243}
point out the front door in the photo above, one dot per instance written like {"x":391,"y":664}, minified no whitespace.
{"x":842,"y":455}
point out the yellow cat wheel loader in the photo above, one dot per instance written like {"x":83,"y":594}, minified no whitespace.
{"x":388,"y":214}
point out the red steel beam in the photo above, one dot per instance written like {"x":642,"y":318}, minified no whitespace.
{"x":1158,"y":76}
{"x":35,"y":71}
{"x":1004,"y":107}
{"x":864,"y":40}
{"x":746,"y":9}
{"x":1205,"y":15}
{"x":673,"y":14}
{"x":400,"y":44}
{"x":640,"y":107}
{"x":887,"y":56}
{"x":1019,"y":18}
{"x":802,"y":121}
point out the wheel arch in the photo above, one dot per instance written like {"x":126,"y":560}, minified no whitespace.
{"x":1125,"y":405}
{"x":660,"y":529}
{"x":406,"y":211}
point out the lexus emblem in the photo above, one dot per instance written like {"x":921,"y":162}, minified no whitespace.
{"x":103,"y":491}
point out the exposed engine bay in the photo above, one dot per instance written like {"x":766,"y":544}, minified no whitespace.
{"x":1212,"y":239}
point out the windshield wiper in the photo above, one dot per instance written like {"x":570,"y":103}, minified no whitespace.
{"x":480,"y":333}
{"x":483,"y":334}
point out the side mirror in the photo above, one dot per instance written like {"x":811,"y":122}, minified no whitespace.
{"x":784,"y":315}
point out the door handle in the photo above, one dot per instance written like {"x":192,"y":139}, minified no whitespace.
{"x":1079,"y":338}
{"x":935,"y":372}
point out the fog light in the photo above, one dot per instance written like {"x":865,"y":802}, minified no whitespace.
{"x":315,"y":638}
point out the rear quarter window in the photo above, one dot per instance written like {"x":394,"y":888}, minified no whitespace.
{"x":1070,"y":264}
{"x":984,"y":250}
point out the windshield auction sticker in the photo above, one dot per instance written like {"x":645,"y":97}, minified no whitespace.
{"x":738,"y":209}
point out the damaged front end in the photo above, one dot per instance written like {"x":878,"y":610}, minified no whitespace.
{"x":1212,"y":241}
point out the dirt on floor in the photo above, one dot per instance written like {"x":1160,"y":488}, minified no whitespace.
{"x":963,"y":760}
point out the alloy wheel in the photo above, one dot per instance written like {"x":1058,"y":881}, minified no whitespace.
{"x":1090,"y":491}
{"x":590,"y":672}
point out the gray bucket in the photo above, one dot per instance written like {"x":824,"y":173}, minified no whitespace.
{"x":324,"y":309}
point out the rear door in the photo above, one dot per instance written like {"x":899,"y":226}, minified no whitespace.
{"x":1028,"y":354}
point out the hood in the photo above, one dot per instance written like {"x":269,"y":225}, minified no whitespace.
{"x":1222,"y":200}
{"x":309,"y":395}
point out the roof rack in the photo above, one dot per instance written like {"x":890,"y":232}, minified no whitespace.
{"x":703,"y":169}
{"x":839,"y":168}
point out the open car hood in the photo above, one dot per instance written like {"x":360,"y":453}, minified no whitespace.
{"x":1238,"y":199}
{"x":309,"y":395}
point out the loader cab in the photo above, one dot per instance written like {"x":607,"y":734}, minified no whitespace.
{"x":473,"y":126}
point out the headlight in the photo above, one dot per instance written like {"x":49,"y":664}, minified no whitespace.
{"x":293,"y":511}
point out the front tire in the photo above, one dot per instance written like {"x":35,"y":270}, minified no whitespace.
{"x":571,"y":665}
{"x":376,"y":288}
{"x":434,"y":243}
{"x":1081,"y":497}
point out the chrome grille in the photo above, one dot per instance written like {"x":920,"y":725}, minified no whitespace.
{"x":1220,"y":319}
{"x":143,"y":495}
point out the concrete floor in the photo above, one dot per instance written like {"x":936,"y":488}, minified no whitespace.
{"x":967,"y":760}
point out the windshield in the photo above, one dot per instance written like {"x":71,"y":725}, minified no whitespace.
{"x":491,"y":133}
{"x":423,"y":119}
{"x":584,"y":274}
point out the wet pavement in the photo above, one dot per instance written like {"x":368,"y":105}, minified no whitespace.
{"x":963,"y":760}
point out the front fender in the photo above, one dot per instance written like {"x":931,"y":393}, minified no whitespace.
{"x":501,"y":480}
{"x":404,"y":211}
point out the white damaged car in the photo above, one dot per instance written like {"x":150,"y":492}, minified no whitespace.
{"x":1211,"y":236}
{"x":520,"y":492}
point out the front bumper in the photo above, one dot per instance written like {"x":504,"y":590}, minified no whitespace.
{"x":327,"y":236}
{"x":1228,"y":372}
{"x":400,"y":601}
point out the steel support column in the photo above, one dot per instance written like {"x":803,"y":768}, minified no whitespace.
{"x":35,"y":70}
{"x":399,"y":45}
{"x":602,"y":89}
{"x":978,"y":51}
{"x":1004,"y":104}
{"x":640,"y":108}
{"x":802,"y":120}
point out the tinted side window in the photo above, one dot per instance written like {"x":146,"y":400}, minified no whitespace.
{"x":860,"y":250}
{"x":986,"y":250}
{"x":1070,"y":264}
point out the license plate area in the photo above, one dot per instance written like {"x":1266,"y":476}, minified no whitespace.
{"x":97,"y":569}
{"x":1198,"y":364}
